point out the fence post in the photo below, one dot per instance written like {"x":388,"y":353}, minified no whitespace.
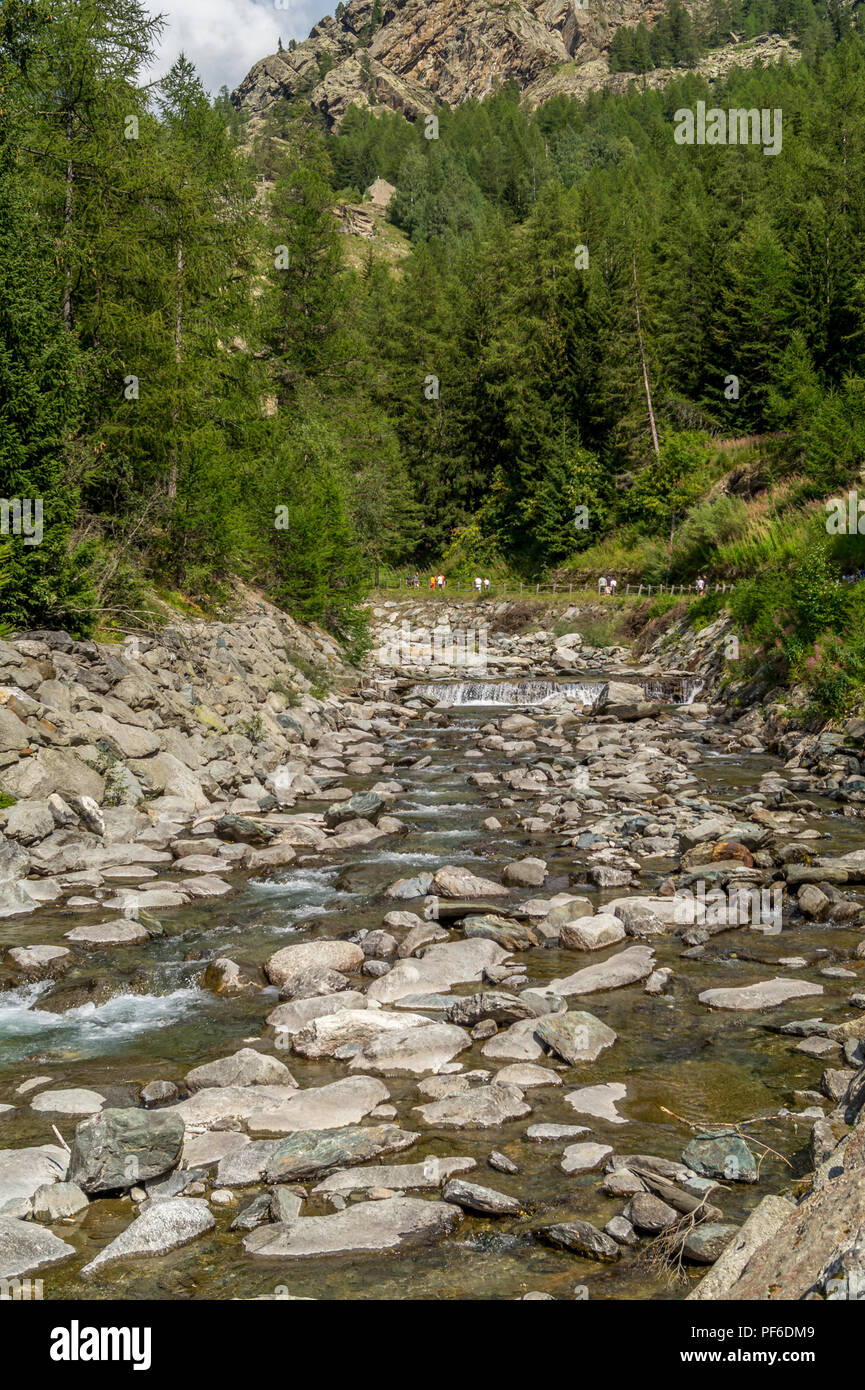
{"x":571,"y":587}
{"x":537,"y":588}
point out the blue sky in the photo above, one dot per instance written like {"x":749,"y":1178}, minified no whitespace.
{"x":223,"y":38}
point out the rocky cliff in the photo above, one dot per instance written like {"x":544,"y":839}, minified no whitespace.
{"x":425,"y":53}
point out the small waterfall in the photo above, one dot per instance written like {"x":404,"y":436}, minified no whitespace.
{"x":510,"y":692}
{"x":679,"y":690}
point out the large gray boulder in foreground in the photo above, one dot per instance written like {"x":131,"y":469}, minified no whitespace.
{"x":119,"y":1148}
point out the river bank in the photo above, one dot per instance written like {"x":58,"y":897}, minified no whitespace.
{"x":420,"y":964}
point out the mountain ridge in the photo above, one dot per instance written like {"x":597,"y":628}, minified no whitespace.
{"x":413,"y":57}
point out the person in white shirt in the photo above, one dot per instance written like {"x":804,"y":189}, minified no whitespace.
{"x":478,"y":582}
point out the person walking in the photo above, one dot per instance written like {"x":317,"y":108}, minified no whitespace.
{"x":486,"y":582}
{"x":613,"y":583}
{"x":432,"y":581}
{"x":602,"y":584}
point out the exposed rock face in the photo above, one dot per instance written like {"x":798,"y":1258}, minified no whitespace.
{"x":431,"y":52}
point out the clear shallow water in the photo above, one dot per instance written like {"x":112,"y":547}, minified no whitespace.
{"x":672,"y":1054}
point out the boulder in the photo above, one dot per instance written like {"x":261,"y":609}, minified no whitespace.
{"x":575,"y":1036}
{"x":244,"y":1068}
{"x":117,"y":1149}
{"x":340,"y":956}
{"x":308,"y":1153}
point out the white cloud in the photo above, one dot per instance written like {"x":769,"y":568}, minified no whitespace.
{"x":223,"y":38}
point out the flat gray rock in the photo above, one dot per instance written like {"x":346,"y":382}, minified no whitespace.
{"x":71,"y":1102}
{"x":296,"y":1015}
{"x":584,"y":1158}
{"x":599,"y":1101}
{"x":340,"y":1103}
{"x":391,"y":1224}
{"x":310,"y":1152}
{"x":625,"y":968}
{"x":25,"y":1246}
{"x":484,"y":1107}
{"x":546,"y":1133}
{"x":321,"y":1037}
{"x":430,"y":1173}
{"x":24,"y":1171}
{"x":417,"y":1049}
{"x":121,"y":932}
{"x":453,"y":963}
{"x":164,"y":1226}
{"x":767,"y":994}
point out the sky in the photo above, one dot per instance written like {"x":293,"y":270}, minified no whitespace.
{"x":223,"y":38}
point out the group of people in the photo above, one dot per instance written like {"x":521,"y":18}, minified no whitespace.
{"x":607,"y":584}
{"x":700,"y":584}
{"x":438,"y":581}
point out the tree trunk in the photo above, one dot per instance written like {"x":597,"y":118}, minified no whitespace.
{"x":643,"y":362}
{"x":178,"y":358}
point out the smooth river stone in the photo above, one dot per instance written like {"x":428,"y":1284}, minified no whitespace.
{"x":599,"y":1101}
{"x":575,"y":1036}
{"x":322,"y":1036}
{"x":525,"y":1075}
{"x":25,"y":1247}
{"x":213,"y":1104}
{"x":340,"y":1103}
{"x":430,"y":1173}
{"x":484,"y":1107}
{"x":417,"y":1049}
{"x":293,"y":1017}
{"x":592,"y":933}
{"x":164,"y":1226}
{"x":309,"y":1152}
{"x":119,"y":933}
{"x":515,"y":1044}
{"x":625,"y":968}
{"x":342,"y":956}
{"x":584,"y":1158}
{"x":391,"y":1224}
{"x":767,"y":994}
{"x":24,"y":1171}
{"x":71,"y":1102}
{"x":454,"y":963}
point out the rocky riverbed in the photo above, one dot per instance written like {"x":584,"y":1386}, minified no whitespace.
{"x":541,"y":980}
